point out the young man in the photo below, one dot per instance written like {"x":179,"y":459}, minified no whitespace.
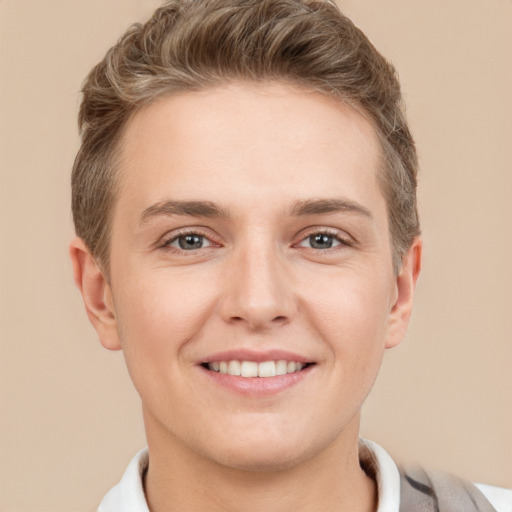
{"x":245,"y":206}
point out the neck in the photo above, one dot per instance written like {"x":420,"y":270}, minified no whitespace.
{"x":332,"y":481}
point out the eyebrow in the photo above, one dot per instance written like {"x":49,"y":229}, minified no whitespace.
{"x":322,"y":206}
{"x":211,"y":210}
{"x":188,"y":208}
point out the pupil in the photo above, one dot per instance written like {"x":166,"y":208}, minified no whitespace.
{"x":321,"y":241}
{"x":190,"y":242}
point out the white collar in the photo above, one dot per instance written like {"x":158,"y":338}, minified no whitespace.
{"x":386,"y":474}
{"x":128,"y":494}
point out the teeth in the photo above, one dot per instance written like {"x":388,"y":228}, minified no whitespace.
{"x":254,"y":369}
{"x":267,"y":369}
{"x":281,"y":368}
{"x":234,"y":368}
{"x":249,"y":369}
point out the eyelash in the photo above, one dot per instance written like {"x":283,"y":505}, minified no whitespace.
{"x":342,"y":240}
{"x":166,"y":242}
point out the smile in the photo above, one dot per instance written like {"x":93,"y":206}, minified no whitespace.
{"x":256,"y":369}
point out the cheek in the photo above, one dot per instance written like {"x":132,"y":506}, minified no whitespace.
{"x":351,"y":316}
{"x":350,"y":307}
{"x":157,"y":316}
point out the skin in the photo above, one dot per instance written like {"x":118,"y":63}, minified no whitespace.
{"x":259,"y":153}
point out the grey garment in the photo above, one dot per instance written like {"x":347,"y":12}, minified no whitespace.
{"x":422,"y":491}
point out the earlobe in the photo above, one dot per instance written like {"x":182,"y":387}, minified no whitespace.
{"x":96,"y":294}
{"x":405,"y":286}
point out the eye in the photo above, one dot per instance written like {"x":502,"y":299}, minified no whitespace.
{"x":189,"y":242}
{"x":322,"y":241}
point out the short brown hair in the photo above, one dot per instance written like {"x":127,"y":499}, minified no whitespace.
{"x":192,"y":44}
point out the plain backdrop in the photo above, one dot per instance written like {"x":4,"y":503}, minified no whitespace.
{"x":70,"y":419}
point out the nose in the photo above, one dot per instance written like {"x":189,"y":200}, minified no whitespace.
{"x":258,"y":290}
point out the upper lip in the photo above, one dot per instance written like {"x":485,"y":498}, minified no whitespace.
{"x":256,"y":356}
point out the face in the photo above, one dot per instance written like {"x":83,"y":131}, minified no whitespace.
{"x":250,"y":236}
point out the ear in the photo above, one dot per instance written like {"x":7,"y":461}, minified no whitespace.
{"x":96,"y":294}
{"x":405,"y":286}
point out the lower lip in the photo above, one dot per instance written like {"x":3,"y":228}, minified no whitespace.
{"x":258,"y":386}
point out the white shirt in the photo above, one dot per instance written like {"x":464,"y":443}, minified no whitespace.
{"x":128,"y":494}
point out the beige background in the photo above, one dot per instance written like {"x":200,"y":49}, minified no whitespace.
{"x":70,"y":420}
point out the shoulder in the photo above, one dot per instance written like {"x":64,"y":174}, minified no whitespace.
{"x":410,"y":488}
{"x":441,"y":491}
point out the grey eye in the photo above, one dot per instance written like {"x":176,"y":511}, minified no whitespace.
{"x":321,"y":241}
{"x":190,"y":242}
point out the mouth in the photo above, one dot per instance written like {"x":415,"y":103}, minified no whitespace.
{"x":257,"y":373}
{"x":251,"y":369}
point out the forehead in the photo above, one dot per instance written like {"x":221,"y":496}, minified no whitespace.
{"x":273,"y":139}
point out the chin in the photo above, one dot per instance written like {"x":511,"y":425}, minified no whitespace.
{"x":266,"y":453}
{"x":253,"y":460}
